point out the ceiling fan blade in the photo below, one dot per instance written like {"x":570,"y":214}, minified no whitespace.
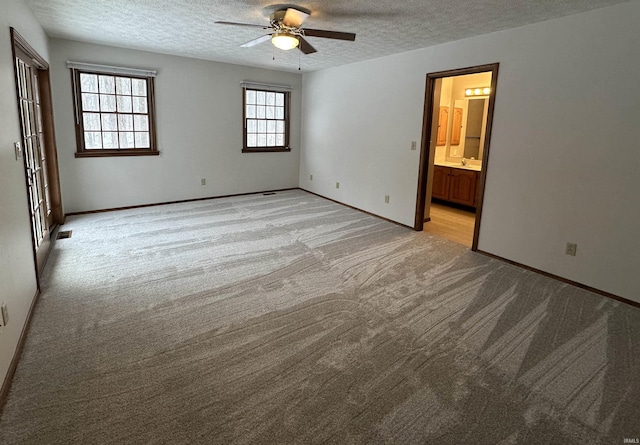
{"x":305,"y":46}
{"x":242,"y":24}
{"x":294,"y":18}
{"x":257,"y":41}
{"x":329,"y":34}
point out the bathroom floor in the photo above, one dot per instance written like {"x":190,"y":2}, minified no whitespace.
{"x":452,"y":223}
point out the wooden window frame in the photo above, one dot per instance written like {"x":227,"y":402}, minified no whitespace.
{"x":287,"y":122}
{"x":82,"y":151}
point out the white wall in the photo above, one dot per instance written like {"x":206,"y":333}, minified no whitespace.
{"x":17,"y":271}
{"x":199,"y":129}
{"x":564,"y":162}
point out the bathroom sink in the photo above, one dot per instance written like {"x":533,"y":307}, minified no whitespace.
{"x":459,"y":165}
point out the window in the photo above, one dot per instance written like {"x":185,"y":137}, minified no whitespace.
{"x":266,"y":120}
{"x":114,"y":113}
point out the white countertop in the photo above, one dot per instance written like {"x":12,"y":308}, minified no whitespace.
{"x":458,"y":165}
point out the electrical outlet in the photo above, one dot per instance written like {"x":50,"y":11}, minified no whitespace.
{"x":414,"y":145}
{"x":310,"y":177}
{"x":337,"y":185}
{"x":386,"y":199}
{"x":203,"y":181}
{"x":571,"y":249}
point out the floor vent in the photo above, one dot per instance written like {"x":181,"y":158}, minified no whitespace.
{"x":64,"y":234}
{"x":270,"y":193}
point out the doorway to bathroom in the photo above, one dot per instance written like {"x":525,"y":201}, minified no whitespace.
{"x":458,"y":114}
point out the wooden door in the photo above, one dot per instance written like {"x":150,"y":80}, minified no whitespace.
{"x":443,"y":122}
{"x":463,"y":187}
{"x":440,"y":188}
{"x":35,"y":161}
{"x":35,"y":108}
{"x":456,"y":126}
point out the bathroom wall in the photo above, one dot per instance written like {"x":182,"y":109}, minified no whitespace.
{"x":458,"y":88}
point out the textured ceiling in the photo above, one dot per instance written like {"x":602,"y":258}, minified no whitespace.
{"x":383,"y":27}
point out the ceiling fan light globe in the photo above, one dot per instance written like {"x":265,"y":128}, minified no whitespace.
{"x":284,"y":41}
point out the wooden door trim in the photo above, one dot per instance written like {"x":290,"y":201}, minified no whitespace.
{"x":425,"y":147}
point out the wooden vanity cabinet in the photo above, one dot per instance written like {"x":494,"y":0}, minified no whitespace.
{"x":443,"y":122}
{"x":455,"y":185}
{"x":456,"y":126}
{"x":440,"y":188}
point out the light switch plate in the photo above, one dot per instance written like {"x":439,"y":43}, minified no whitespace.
{"x":571,"y":249}
{"x":18,"y":149}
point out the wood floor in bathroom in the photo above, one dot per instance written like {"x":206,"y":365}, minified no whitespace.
{"x":452,"y":223}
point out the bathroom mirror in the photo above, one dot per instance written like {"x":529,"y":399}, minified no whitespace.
{"x":470,"y":128}
{"x":474,"y":134}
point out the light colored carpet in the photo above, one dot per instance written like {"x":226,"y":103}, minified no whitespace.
{"x":291,"y":319}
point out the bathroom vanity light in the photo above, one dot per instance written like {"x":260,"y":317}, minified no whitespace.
{"x":481,"y":91}
{"x":284,"y":40}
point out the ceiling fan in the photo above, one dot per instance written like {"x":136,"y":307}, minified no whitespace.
{"x":288,"y":33}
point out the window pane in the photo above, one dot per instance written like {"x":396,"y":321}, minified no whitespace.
{"x":92,"y":140}
{"x":139,"y":87}
{"x":32,"y":123}
{"x":123,"y":85}
{"x":125,"y":122}
{"x":24,"y":112}
{"x":124,"y":104}
{"x":139,"y":105}
{"x":115,"y":111}
{"x":91,"y":121}
{"x":88,"y":83}
{"x":39,"y":117}
{"x":271,"y":112}
{"x":109,"y":123}
{"x":110,"y":139}
{"x":265,"y":126}
{"x":127,"y":140}
{"x":90,"y":102}
{"x":142,"y":140}
{"x":107,"y":84}
{"x":141,"y":123}
{"x":107,"y":103}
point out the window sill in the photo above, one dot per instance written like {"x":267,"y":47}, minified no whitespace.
{"x":112,"y":153}
{"x":266,"y":149}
